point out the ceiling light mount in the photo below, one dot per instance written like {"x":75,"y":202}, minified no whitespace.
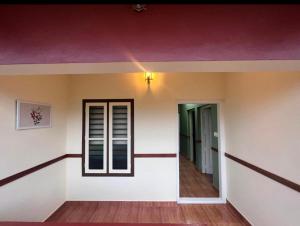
{"x":139,"y":7}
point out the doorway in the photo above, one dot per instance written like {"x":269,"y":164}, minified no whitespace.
{"x":199,"y":159}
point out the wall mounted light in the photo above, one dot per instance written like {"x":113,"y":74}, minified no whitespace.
{"x":148,"y":77}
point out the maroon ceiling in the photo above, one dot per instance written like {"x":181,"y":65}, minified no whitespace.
{"x":111,"y":33}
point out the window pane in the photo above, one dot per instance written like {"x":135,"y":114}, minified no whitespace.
{"x":96,"y":117}
{"x":119,"y":154}
{"x":96,"y":154}
{"x":120,"y":121}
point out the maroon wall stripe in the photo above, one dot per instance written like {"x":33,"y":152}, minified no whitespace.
{"x":36,"y":168}
{"x":266,"y":173}
{"x":30,"y":170}
{"x":184,"y":135}
{"x":73,"y":155}
{"x":215,"y":149}
{"x":165,"y":155}
{"x":23,"y":173}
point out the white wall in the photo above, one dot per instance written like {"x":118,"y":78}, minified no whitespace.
{"x":262,"y":119}
{"x":262,"y":127}
{"x":33,"y":197}
{"x":155,"y":131}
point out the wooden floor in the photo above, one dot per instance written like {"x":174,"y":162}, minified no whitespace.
{"x":193,"y":183}
{"x":146,"y":212}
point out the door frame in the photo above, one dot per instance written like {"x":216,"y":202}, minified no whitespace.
{"x":221,"y":148}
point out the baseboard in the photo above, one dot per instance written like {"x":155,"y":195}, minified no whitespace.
{"x":49,"y":215}
{"x":240,"y":214}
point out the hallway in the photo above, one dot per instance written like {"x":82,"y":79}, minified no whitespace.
{"x":193,"y":183}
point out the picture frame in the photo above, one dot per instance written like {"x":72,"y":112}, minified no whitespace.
{"x":32,"y":115}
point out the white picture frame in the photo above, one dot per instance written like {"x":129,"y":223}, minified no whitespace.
{"x":32,"y":115}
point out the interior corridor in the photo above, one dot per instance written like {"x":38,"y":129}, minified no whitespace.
{"x":193,"y":183}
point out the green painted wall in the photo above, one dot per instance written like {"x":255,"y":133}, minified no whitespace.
{"x":185,"y":133}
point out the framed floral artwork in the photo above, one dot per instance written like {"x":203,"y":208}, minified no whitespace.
{"x":31,"y":115}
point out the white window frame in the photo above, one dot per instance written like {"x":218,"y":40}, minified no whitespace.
{"x":111,"y":138}
{"x":87,"y":138}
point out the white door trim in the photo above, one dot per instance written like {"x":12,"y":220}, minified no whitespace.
{"x":222,"y":162}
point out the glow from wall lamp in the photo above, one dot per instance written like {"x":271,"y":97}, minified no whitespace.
{"x":148,"y":77}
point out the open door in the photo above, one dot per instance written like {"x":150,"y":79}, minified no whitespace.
{"x":206,"y":128}
{"x":192,"y":132}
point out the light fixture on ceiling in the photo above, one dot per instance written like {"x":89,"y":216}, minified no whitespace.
{"x":139,"y":7}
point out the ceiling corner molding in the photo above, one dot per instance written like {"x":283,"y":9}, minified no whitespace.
{"x":133,"y":67}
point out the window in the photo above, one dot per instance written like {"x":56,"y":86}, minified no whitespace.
{"x":107,"y":137}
